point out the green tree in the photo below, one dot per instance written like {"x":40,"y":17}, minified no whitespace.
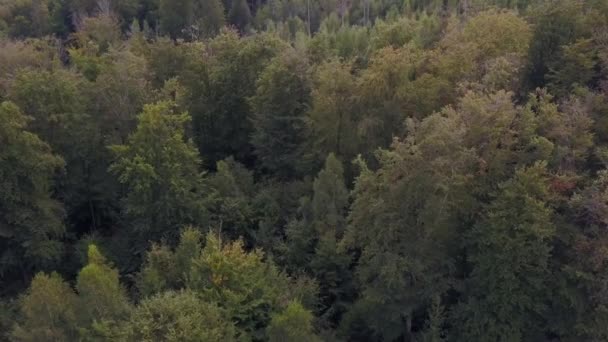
{"x":211,"y":14}
{"x":248,"y":288}
{"x":52,"y":310}
{"x":575,"y":67}
{"x":578,"y":310}
{"x":313,"y":240}
{"x":230,"y":201}
{"x":435,"y":330}
{"x":55,"y":101}
{"x":120,"y":91}
{"x":218,"y":91}
{"x":26,"y":18}
{"x":103,"y":302}
{"x":279,"y":104}
{"x":330,"y":264}
{"x":567,"y":127}
{"x":168,"y":59}
{"x":165,"y":269}
{"x":333,"y":116}
{"x":379,"y":96}
{"x":48,"y":310}
{"x":175,"y":17}
{"x":160,"y":170}
{"x":64,"y":117}
{"x":292,"y":324}
{"x":497,"y":33}
{"x":402,"y":223}
{"x":509,"y":250}
{"x":31,"y":221}
{"x":178,"y":316}
{"x":330,"y":199}
{"x":240,"y":14}
{"x":557,"y":24}
{"x":98,"y":34}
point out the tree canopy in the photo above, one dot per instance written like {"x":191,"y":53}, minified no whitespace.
{"x":304,"y":170}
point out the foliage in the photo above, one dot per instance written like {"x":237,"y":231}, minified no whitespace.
{"x":178,"y":316}
{"x":293,"y":324}
{"x":507,"y":302}
{"x":31,"y":222}
{"x":281,"y":99}
{"x":49,"y":311}
{"x":340,"y":170}
{"x":159,"y":167}
{"x":246,"y":287}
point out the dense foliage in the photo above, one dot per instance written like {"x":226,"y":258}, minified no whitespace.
{"x":303,"y":170}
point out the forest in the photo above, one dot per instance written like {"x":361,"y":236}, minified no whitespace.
{"x":304,"y":170}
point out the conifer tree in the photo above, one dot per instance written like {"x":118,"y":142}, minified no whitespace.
{"x":240,"y":14}
{"x":103,"y":302}
{"x":509,"y":251}
{"x":159,"y":167}
{"x":279,"y":104}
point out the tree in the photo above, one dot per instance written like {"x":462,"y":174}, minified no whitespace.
{"x":575,"y":67}
{"x":276,"y":203}
{"x":313,"y":239}
{"x":31,"y":221}
{"x":245,"y":286}
{"x":557,"y":24}
{"x":230,"y":200}
{"x":160,"y":170}
{"x":175,"y":17}
{"x":52,"y":310}
{"x":378,"y":96}
{"x":17,"y":55}
{"x":64,"y":117}
{"x":498,"y":33}
{"x":240,"y":14}
{"x":330,"y":199}
{"x":168,"y":59}
{"x":333,"y":116}
{"x":407,"y":216}
{"x":330,"y":264}
{"x":96,"y":35}
{"x":578,"y":310}
{"x":402,"y":225}
{"x":509,"y":251}
{"x":165,"y":269}
{"x":49,"y":311}
{"x":279,"y":104}
{"x":218,"y":91}
{"x":178,"y":316}
{"x":568,"y":128}
{"x":211,"y":13}
{"x":55,"y":101}
{"x":292,"y":324}
{"x":29,"y":18}
{"x":121,"y":89}
{"x":103,"y":302}
{"x":435,"y":330}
